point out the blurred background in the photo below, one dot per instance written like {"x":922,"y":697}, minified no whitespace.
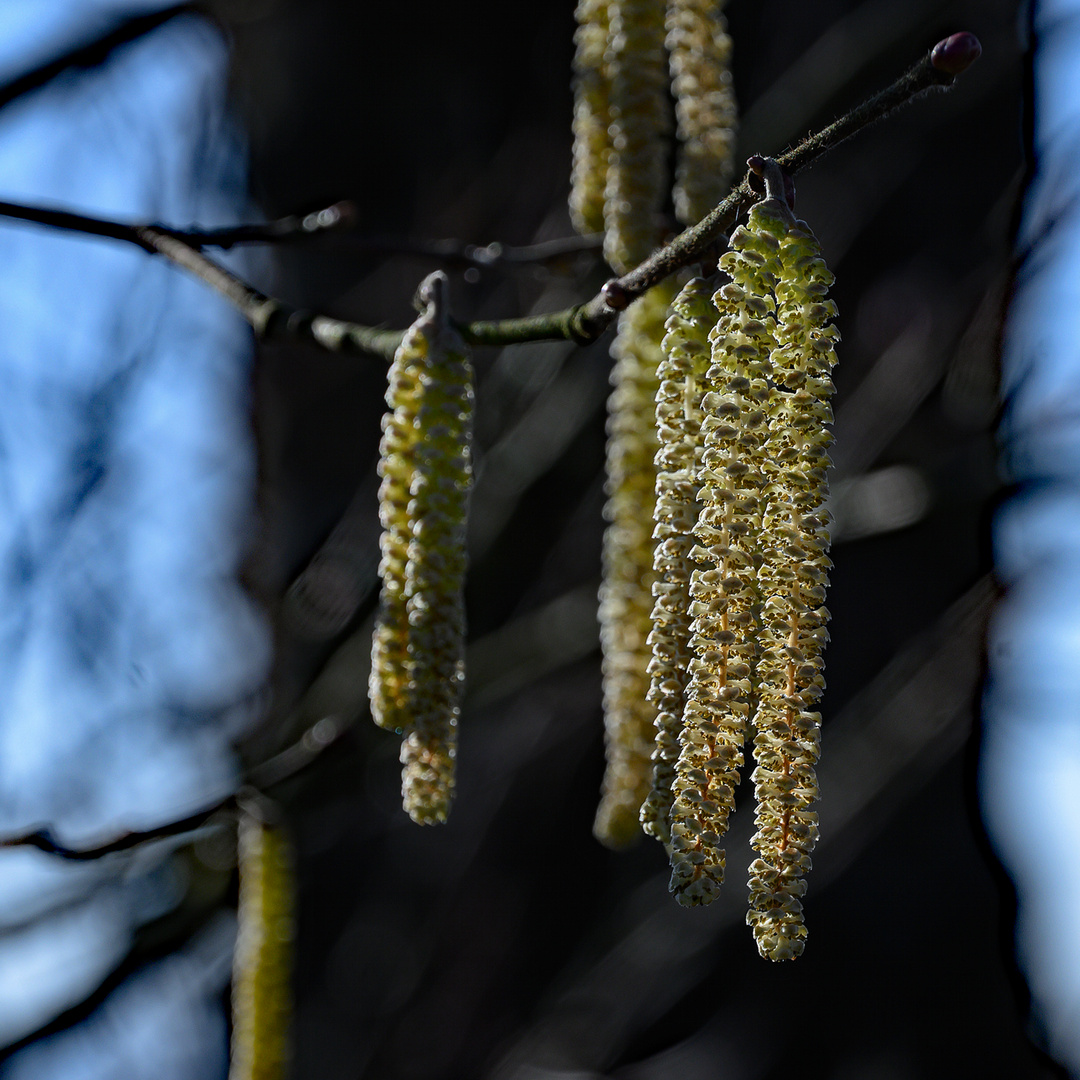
{"x":509,"y":945}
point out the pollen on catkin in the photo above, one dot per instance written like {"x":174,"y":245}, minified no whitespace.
{"x":626,"y":590}
{"x":261,"y":995}
{"x":723,"y":589}
{"x":401,"y":434}
{"x":636,"y":174}
{"x":435,"y":569}
{"x":681,"y":375}
{"x":793,"y":578}
{"x":699,"y":51}
{"x":592,"y":145}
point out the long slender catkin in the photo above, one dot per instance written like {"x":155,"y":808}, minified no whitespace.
{"x":435,"y":570}
{"x":699,"y":51}
{"x":636,"y":174}
{"x":626,"y":591}
{"x":723,"y":590}
{"x":686,"y":359}
{"x":793,"y":579}
{"x":592,"y":144}
{"x":262,"y":1000}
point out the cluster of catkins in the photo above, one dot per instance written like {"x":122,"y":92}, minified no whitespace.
{"x":740,"y":566}
{"x":418,"y":647}
{"x":632,"y":57}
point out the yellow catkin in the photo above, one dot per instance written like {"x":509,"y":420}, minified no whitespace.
{"x":699,"y":50}
{"x":626,"y":592}
{"x":686,"y":359}
{"x":723,"y":590}
{"x":592,"y":145}
{"x":397,"y":449}
{"x":262,"y":999}
{"x":637,"y":164}
{"x":793,"y":579}
{"x":435,"y":571}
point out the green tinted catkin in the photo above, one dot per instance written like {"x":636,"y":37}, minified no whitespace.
{"x":387,"y":685}
{"x":435,"y":570}
{"x":636,"y":175}
{"x":262,"y":999}
{"x":681,"y":375}
{"x":592,"y":145}
{"x":723,"y":590}
{"x":699,"y":50}
{"x":626,"y":592}
{"x":793,"y":578}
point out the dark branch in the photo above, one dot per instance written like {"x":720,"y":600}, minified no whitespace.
{"x":294,"y":759}
{"x":273,"y":320}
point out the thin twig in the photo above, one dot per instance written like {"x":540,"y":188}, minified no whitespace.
{"x":273,"y":320}
{"x":294,"y":759}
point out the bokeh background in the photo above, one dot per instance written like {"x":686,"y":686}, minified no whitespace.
{"x":509,"y":945}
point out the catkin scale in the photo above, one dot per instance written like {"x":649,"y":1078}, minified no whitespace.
{"x":626,"y":591}
{"x":262,"y":960}
{"x":793,"y":577}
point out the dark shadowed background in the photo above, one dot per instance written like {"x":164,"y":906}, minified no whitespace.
{"x":509,"y":945}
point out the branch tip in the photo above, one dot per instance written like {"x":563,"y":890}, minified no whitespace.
{"x":955,"y":54}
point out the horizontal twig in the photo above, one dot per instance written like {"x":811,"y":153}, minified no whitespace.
{"x":294,"y":759}
{"x":271,"y":319}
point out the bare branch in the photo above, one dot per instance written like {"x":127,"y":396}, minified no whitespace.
{"x":273,"y":320}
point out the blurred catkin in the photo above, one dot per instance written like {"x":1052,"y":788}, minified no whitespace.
{"x":681,"y":379}
{"x":592,"y":145}
{"x":262,"y":998}
{"x":793,"y":578}
{"x":699,"y":50}
{"x":637,"y":164}
{"x":723,"y":590}
{"x":626,"y":592}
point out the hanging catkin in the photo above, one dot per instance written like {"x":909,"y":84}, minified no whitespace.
{"x":681,"y":379}
{"x":724,"y":597}
{"x":636,"y":174}
{"x":262,"y":998}
{"x":387,"y":685}
{"x":699,"y":50}
{"x":592,"y":145}
{"x":435,"y":569}
{"x":793,"y":579}
{"x":626,"y":592}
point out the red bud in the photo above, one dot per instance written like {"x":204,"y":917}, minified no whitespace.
{"x":956,"y":54}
